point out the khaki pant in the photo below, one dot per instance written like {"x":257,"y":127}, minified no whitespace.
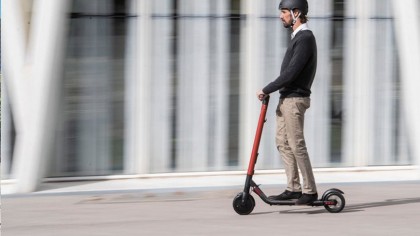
{"x":291,"y":143}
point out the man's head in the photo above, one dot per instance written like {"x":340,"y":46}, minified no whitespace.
{"x":292,"y":10}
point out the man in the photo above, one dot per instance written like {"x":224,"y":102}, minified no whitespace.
{"x":294,"y":84}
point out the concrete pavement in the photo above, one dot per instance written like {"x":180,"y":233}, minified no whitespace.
{"x":373,"y":208}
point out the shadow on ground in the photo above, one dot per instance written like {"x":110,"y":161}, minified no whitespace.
{"x":348,"y":208}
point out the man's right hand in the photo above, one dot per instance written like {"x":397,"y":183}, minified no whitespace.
{"x":260,"y":95}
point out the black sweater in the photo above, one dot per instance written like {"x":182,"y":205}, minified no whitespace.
{"x":298,"y":68}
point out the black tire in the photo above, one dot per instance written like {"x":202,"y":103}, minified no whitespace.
{"x":246,"y":208}
{"x":338,"y":198}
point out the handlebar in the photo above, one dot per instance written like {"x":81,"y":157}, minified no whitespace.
{"x":265,"y":99}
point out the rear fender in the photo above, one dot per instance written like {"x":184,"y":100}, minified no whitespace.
{"x":332,"y":190}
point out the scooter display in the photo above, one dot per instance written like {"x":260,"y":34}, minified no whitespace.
{"x":244,"y":203}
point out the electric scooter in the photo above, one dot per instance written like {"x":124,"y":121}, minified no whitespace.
{"x":332,"y":199}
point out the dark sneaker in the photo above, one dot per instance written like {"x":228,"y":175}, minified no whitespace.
{"x":286,"y":195}
{"x":307,"y":199}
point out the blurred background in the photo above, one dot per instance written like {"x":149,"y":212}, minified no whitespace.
{"x":111,"y":87}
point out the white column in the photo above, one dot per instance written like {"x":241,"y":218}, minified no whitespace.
{"x":358,"y":97}
{"x":192,"y":134}
{"x":219,"y":85}
{"x":14,"y":42}
{"x":384,"y":71}
{"x":35,"y":137}
{"x":139,"y":95}
{"x":252,"y":39}
{"x":407,"y":31}
{"x":318,"y":116}
{"x":161,"y":86}
{"x":130,"y":81}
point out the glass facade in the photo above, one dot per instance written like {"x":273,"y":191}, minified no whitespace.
{"x":91,"y":129}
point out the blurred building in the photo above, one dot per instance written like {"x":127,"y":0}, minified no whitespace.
{"x":155,"y":86}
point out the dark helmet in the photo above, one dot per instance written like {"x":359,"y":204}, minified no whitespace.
{"x":302,"y":5}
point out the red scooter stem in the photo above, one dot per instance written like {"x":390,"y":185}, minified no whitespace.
{"x":257,"y":139}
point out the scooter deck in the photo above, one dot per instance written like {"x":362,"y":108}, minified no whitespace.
{"x":292,"y":202}
{"x":260,"y":193}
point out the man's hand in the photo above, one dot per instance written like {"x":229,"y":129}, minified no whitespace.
{"x":260,"y":95}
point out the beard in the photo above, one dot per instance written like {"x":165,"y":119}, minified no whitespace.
{"x":287,"y":24}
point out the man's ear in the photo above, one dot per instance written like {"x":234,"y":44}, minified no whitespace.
{"x":296,"y":12}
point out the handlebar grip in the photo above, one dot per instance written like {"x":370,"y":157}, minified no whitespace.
{"x":266,"y":99}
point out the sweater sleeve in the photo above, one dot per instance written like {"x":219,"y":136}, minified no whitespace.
{"x":299,"y":58}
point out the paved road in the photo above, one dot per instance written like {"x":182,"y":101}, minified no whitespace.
{"x":383,"y":208}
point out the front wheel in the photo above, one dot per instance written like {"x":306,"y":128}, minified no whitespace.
{"x":334,"y":202}
{"x":243,"y":208}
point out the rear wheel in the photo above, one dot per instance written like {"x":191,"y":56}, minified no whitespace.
{"x":243,"y":208}
{"x":334,"y":202}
